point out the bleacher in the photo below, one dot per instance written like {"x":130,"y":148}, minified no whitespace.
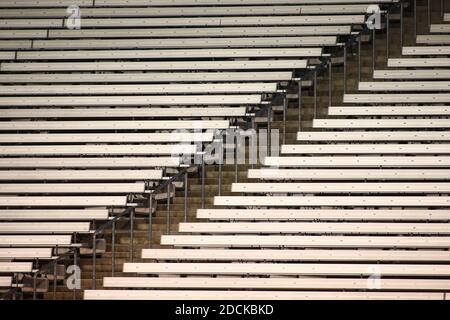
{"x":88,"y":148}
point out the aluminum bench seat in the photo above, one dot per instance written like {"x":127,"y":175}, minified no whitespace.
{"x":88,"y":174}
{"x":336,"y":201}
{"x":366,"y":148}
{"x":387,"y":111}
{"x":97,"y":162}
{"x":349,"y":174}
{"x":426,"y":50}
{"x":358,"y":161}
{"x":433,"y":39}
{"x":418,"y":74}
{"x":44,"y":227}
{"x":15,"y":267}
{"x":303,"y":283}
{"x":381,"y":123}
{"x":68,"y":188}
{"x":262,"y":214}
{"x":79,"y":101}
{"x":314,"y":228}
{"x":137,"y":43}
{"x":166,"y":54}
{"x":152,"y":65}
{"x":35,"y":240}
{"x":123,"y":112}
{"x":194,"y":32}
{"x":397,"y":98}
{"x":26,"y":253}
{"x":294,"y":255}
{"x":152,"y":137}
{"x":340,"y":187}
{"x":318,"y":241}
{"x":5,"y":282}
{"x":121,"y":149}
{"x":405,"y":86}
{"x":115,"y":125}
{"x":286,"y":269}
{"x":150,"y":77}
{"x":418,"y":62}
{"x":187,"y":11}
{"x":372,"y":136}
{"x":53,"y":214}
{"x":63,"y":201}
{"x":254,"y":295}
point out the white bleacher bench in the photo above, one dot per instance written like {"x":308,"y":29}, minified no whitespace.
{"x":295,"y":255}
{"x":433,"y":39}
{"x":397,"y":98}
{"x":121,"y":112}
{"x":88,"y":174}
{"x":419,"y":148}
{"x":44,"y":227}
{"x":254,"y":295}
{"x":156,"y":3}
{"x":318,"y":241}
{"x":66,"y":188}
{"x":357,"y":161}
{"x":286,"y":269}
{"x":446,"y":17}
{"x":167,"y":54}
{"x":139,"y":88}
{"x":5,"y":282}
{"x":305,"y":136}
{"x":191,"y":21}
{"x":7,"y":55}
{"x":287,"y":201}
{"x":439,"y":28}
{"x":314,"y":227}
{"x":251,"y":42}
{"x":324,"y":214}
{"x":100,"y":162}
{"x":419,"y":62}
{"x":16,"y":44}
{"x":121,"y":149}
{"x":187,"y":11}
{"x":397,"y":110}
{"x":115,"y":125}
{"x":54,"y":214}
{"x":183,"y":32}
{"x":349,"y":174}
{"x":35,"y":240}
{"x":15,"y":267}
{"x":405,"y":86}
{"x":26,"y":253}
{"x":273,"y":283}
{"x":150,"y":77}
{"x":412,"y":74}
{"x":130,"y":100}
{"x":380,"y":123}
{"x":63,"y":201}
{"x":152,"y":65}
{"x":426,"y":50}
{"x":152,"y":137}
{"x":367,"y":187}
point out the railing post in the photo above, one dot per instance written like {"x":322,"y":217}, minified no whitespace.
{"x":236,"y":154}
{"x":75,"y":262}
{"x":203,"y":180}
{"x":113,"y":248}
{"x":401,"y":26}
{"x":185,"y":195}
{"x":359,"y":58}
{"x":415,"y":20}
{"x":285,"y":106}
{"x":345,"y":68}
{"x":429,"y":16}
{"x":315,"y":92}
{"x":330,"y":83}
{"x":269,"y":129}
{"x":374,"y":57}
{"x":387,"y":37}
{"x":94,"y":259}
{"x":54,"y":274}
{"x":131,"y":234}
{"x":220,"y":166}
{"x":168,"y":209}
{"x":150,"y":218}
{"x":299,"y":103}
